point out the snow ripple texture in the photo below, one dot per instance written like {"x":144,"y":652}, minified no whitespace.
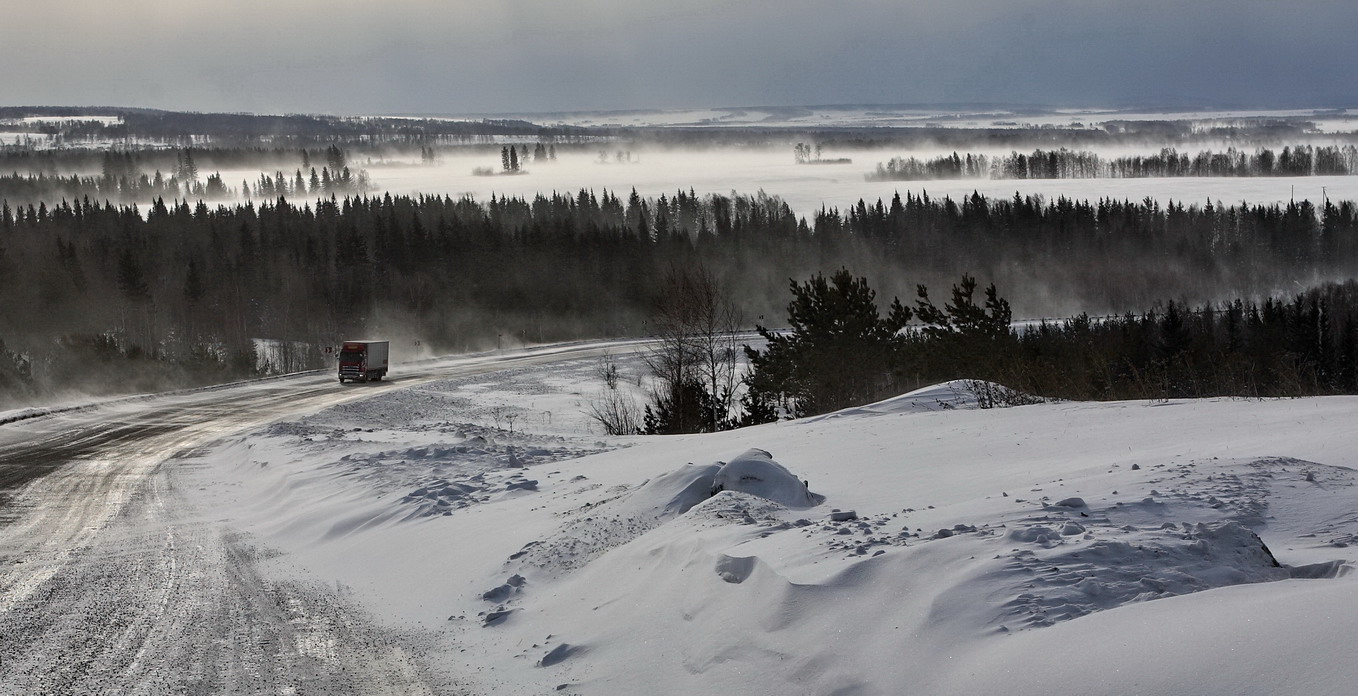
{"x":1069,"y":561}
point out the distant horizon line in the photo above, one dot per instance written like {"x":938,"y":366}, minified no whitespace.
{"x":971,"y":108}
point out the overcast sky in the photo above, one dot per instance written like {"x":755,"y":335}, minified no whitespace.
{"x":455,"y":56}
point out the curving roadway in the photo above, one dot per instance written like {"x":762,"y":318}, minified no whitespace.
{"x":110,"y":582}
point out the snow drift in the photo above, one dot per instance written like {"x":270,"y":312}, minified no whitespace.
{"x":1036,"y":550}
{"x":637,"y":511}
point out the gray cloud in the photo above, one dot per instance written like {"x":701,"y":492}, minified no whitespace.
{"x":360,"y":56}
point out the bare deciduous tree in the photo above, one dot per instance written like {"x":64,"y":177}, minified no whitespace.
{"x":614,"y":409}
{"x":695,"y":359}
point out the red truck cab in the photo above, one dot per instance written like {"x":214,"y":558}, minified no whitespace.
{"x":361,"y":361}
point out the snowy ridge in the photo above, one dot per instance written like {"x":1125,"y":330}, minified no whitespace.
{"x":946,"y":396}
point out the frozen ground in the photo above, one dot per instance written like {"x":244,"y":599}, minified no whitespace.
{"x":807,"y":188}
{"x":905,"y":116}
{"x":919,"y":545}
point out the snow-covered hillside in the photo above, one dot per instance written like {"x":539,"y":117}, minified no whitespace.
{"x":919,"y":545}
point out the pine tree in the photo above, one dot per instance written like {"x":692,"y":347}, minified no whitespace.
{"x":335,"y":158}
{"x":189,"y":170}
{"x":839,"y":351}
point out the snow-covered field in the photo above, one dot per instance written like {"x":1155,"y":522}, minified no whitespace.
{"x":919,"y":545}
{"x":807,"y":188}
{"x":654,"y":170}
{"x":1339,"y":120}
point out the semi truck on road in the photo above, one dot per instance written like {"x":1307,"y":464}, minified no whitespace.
{"x":360,"y":361}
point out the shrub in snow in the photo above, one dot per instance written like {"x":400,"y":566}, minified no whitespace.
{"x":992,"y":395}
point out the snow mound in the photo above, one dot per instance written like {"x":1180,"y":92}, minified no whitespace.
{"x":753,"y":472}
{"x":751,"y":489}
{"x":756,"y":473}
{"x":679,"y":490}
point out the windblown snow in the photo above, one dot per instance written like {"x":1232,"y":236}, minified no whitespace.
{"x":919,"y":545}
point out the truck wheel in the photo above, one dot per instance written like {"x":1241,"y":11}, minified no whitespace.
{"x":377,"y":377}
{"x":341,"y":380}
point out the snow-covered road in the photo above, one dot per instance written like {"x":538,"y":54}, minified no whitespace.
{"x":111,"y":581}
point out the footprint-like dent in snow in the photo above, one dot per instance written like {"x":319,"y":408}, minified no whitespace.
{"x":734,"y":569}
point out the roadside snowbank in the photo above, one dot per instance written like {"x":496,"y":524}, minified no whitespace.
{"x":1054,"y":548}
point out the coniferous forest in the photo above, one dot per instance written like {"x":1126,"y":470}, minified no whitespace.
{"x":1305,"y":160}
{"x":1302,"y":344}
{"x":105,"y":294}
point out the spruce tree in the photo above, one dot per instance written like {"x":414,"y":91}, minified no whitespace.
{"x":840,"y":351}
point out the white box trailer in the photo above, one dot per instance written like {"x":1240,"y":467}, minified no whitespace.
{"x":360,"y":361}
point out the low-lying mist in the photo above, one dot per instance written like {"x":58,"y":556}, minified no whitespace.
{"x":808,"y":187}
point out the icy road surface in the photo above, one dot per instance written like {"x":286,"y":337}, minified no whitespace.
{"x":111,"y":582}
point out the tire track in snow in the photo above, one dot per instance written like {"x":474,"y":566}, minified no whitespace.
{"x":108,"y":584}
{"x":160,"y":601}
